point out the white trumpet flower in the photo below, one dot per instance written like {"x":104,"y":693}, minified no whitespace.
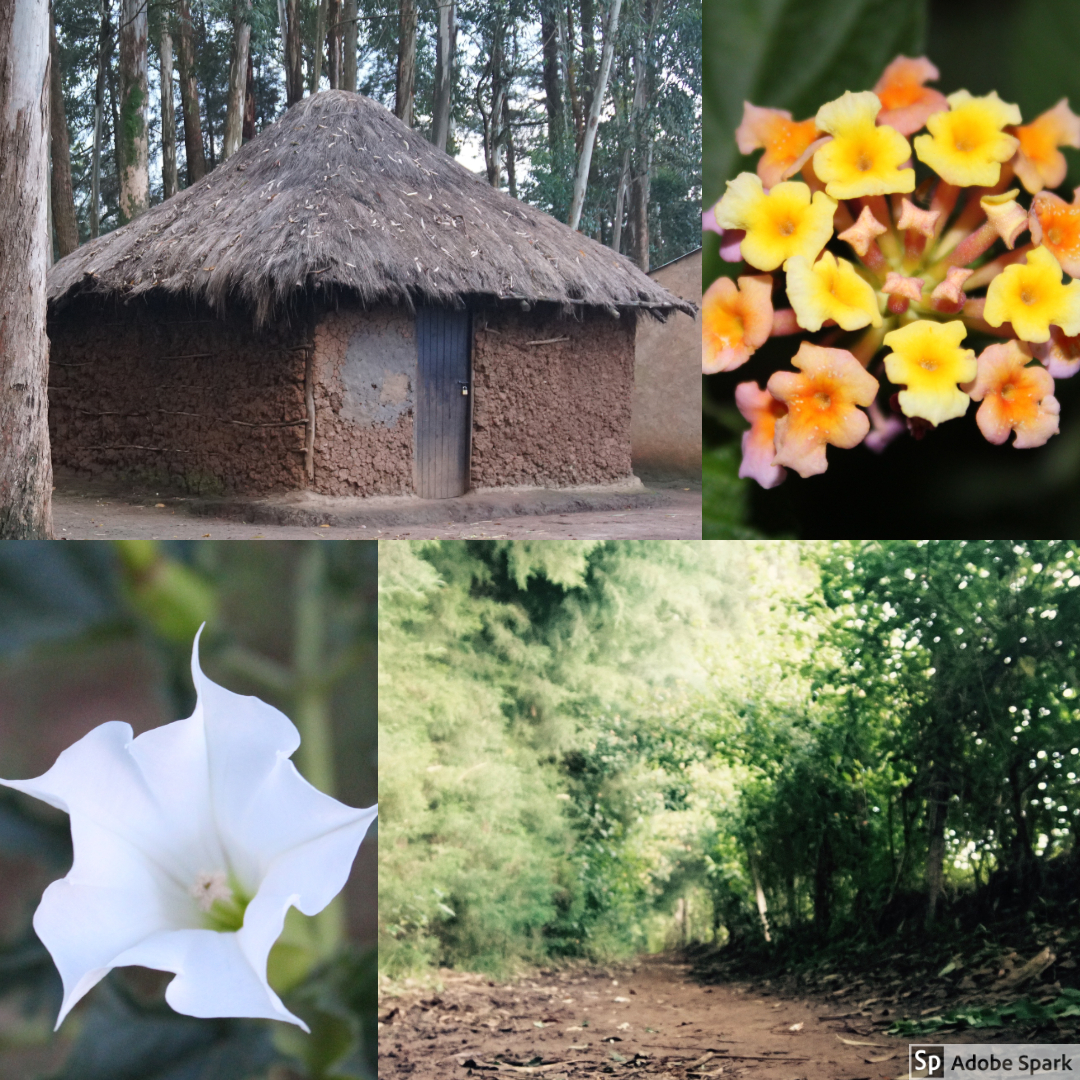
{"x":191,"y":842}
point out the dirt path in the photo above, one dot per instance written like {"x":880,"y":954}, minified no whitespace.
{"x":99,"y":517}
{"x":648,"y":1019}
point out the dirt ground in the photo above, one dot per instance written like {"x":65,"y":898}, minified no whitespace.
{"x":647,"y":1019}
{"x":78,"y":516}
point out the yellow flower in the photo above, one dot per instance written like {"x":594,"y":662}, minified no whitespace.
{"x":966,"y":144}
{"x":830,"y":289}
{"x":1056,"y":225}
{"x":779,"y":223}
{"x":1032,"y":296}
{"x":735,"y":321}
{"x":861,"y":158}
{"x":928,"y":360}
{"x":1039,"y":162}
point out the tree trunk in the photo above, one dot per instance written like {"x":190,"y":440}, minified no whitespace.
{"x":620,"y":202}
{"x":320,"y":44}
{"x":588,"y":54}
{"x":936,"y":812}
{"x":169,"y":179}
{"x":508,"y":143}
{"x":348,"y":60}
{"x":406,"y":65}
{"x":189,"y":95}
{"x":294,"y":73}
{"x":63,"y":201}
{"x":104,"y":48}
{"x":566,"y":40}
{"x":25,"y":465}
{"x":234,"y":105}
{"x":585,"y":161}
{"x":759,"y":896}
{"x":249,"y":101}
{"x":444,"y":73}
{"x":553,"y":102}
{"x":639,"y":215}
{"x":134,"y":141}
{"x":333,"y":43}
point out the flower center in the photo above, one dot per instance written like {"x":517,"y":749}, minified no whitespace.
{"x":787,"y":227}
{"x":928,"y":363}
{"x":1027,"y":297}
{"x":1053,"y":234}
{"x":1007,"y":392}
{"x":222,"y":904}
{"x":824,"y":401}
{"x":864,"y":163}
{"x":963,"y":145}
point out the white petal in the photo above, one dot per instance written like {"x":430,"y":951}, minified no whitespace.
{"x":213,"y":977}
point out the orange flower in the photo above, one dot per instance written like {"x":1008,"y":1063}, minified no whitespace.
{"x":1056,"y":225}
{"x":762,"y":410}
{"x":735,"y":321}
{"x":905,"y":101}
{"x":821,"y":402}
{"x":1039,"y":163}
{"x":784,"y":139}
{"x":1015,"y":396}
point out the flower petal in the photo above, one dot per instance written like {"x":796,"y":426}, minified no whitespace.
{"x":905,"y":102}
{"x":967,"y":144}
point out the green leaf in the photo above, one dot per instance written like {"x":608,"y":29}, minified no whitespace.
{"x":724,"y":496}
{"x":792,"y":54}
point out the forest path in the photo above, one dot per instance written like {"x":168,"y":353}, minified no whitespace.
{"x":645,"y":1019}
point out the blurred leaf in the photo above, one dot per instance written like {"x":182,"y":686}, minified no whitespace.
{"x":793,"y":54}
{"x":22,"y":832}
{"x":339,"y":1004}
{"x":50,"y":591}
{"x":724,"y":496}
{"x":174,"y":598}
{"x":27,"y":966}
{"x":121,"y":1039}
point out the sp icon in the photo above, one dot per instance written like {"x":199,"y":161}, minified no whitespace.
{"x":926,"y":1061}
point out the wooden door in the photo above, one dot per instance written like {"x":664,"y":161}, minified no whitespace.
{"x":443,"y":399}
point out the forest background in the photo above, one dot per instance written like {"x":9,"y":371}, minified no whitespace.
{"x":149,"y":95}
{"x":602,"y":749}
{"x":102,"y":632}
{"x":797,"y":56}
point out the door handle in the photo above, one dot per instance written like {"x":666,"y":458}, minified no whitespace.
{"x":464,"y":389}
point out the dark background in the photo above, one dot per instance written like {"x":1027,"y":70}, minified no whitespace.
{"x":798,"y":54}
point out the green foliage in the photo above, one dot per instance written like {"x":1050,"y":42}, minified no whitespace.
{"x":536,"y":766}
{"x":1023,"y":1011}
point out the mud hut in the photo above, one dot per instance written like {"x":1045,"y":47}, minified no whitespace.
{"x":344,"y":308}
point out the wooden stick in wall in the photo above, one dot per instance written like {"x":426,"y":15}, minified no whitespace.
{"x":309,"y":399}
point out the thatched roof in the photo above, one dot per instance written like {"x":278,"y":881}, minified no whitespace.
{"x":340,"y":196}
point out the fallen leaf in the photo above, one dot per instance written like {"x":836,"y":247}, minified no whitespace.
{"x":874,"y":1059}
{"x":623,"y":1027}
{"x":797,"y":1027}
{"x":855,"y":1042}
{"x":622,"y":999}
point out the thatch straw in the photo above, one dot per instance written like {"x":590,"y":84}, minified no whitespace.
{"x":340,"y":196}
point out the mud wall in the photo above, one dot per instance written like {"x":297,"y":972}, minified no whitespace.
{"x":667,"y":380}
{"x":163,"y":394}
{"x":365,"y":364}
{"x":552,"y":398}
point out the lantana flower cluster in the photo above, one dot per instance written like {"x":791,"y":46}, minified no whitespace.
{"x":891,"y":274}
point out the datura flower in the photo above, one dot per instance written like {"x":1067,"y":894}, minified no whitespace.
{"x":821,"y":400}
{"x":887,"y":279}
{"x":967,"y":144}
{"x":927,"y":358}
{"x":735,"y":320}
{"x":1039,"y":163}
{"x":191,"y":843}
{"x":1032,"y":296}
{"x":861,"y":158}
{"x":1015,"y":395}
{"x":830,"y":289}
{"x":780,"y":223}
